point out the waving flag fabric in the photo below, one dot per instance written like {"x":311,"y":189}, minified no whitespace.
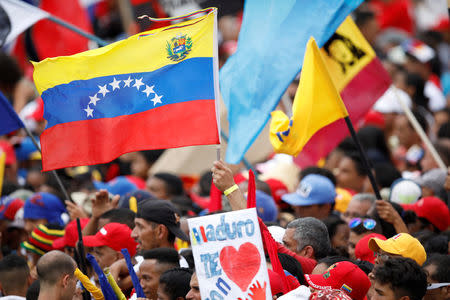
{"x":317,"y":103}
{"x":359,"y":77}
{"x":10,"y":121}
{"x":15,"y":17}
{"x":271,"y":43}
{"x":154,"y":90}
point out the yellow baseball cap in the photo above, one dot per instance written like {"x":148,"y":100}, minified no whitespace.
{"x":343,"y":197}
{"x":401,"y":244}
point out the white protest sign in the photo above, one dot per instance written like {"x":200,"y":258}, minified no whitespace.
{"x":229,"y":256}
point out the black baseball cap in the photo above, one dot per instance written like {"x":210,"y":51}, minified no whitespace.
{"x":161,"y":212}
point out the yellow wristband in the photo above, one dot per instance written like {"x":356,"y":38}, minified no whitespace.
{"x":230,"y":189}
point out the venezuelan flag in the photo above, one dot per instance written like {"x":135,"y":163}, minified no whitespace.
{"x":359,"y":77}
{"x":154,"y":90}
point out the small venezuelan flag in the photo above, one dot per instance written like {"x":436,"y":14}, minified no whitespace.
{"x":154,"y":90}
{"x":346,"y":288}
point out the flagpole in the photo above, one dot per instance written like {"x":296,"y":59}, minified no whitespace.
{"x":78,"y":30}
{"x":423,"y":136}
{"x":58,"y":180}
{"x":364,"y":157}
{"x":80,"y":250}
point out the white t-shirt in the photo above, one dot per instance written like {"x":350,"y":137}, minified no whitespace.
{"x":12,"y":298}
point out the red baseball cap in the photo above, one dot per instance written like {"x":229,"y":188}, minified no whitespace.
{"x":9,"y":208}
{"x":433,"y":209}
{"x":344,"y":276}
{"x":278,"y":189}
{"x":70,"y":237}
{"x":362,"y":250}
{"x":114,"y":235}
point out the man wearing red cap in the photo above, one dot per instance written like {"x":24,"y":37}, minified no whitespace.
{"x":344,"y":276}
{"x":433,"y":213}
{"x":108,"y":242}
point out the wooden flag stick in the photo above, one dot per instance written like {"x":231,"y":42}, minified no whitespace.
{"x":218,"y":151}
{"x":423,"y":136}
{"x":364,"y":157}
{"x":75,"y":29}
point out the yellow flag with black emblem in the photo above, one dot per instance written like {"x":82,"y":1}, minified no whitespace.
{"x":317,"y":103}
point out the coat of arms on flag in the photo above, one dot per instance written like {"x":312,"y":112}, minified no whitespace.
{"x":179,"y":47}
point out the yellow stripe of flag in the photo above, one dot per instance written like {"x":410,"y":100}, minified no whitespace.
{"x":146,"y":52}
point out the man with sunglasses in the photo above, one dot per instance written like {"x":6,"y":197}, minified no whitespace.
{"x":358,"y":206}
{"x":437,"y":268}
{"x":359,"y":228}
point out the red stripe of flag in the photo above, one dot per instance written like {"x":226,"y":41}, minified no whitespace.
{"x":169,"y":126}
{"x":359,"y":96}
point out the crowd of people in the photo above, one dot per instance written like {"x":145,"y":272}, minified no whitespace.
{"x":334,"y":238}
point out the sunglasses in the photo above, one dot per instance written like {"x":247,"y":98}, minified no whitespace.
{"x":368,"y":224}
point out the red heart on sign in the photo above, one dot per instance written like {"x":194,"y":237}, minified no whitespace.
{"x":241,"y":266}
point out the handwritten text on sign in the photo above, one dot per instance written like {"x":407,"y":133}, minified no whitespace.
{"x":229,"y":256}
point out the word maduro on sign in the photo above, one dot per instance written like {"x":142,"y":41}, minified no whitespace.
{"x":223,"y":231}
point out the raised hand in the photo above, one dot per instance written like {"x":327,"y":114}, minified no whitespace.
{"x":101,"y":203}
{"x":75,"y":211}
{"x":222,"y":175}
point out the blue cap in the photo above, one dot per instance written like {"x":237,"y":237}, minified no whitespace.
{"x":117,"y":186}
{"x":266,"y":207}
{"x":44,"y":206}
{"x":313,"y":189}
{"x":140,"y":195}
{"x":27,"y":150}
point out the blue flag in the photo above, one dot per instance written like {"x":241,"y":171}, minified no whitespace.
{"x":269,"y":55}
{"x":9,"y":120}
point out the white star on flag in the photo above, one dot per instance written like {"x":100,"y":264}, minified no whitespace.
{"x":128,"y":82}
{"x":115,"y":84}
{"x":138,"y":83}
{"x":148,"y":90}
{"x":94,"y":100}
{"x":89,"y":111}
{"x":103,"y":90}
{"x":156,"y":99}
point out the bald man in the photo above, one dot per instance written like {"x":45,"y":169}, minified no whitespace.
{"x":55,"y":270}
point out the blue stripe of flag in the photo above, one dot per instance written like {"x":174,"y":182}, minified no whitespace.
{"x":189,"y":80}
